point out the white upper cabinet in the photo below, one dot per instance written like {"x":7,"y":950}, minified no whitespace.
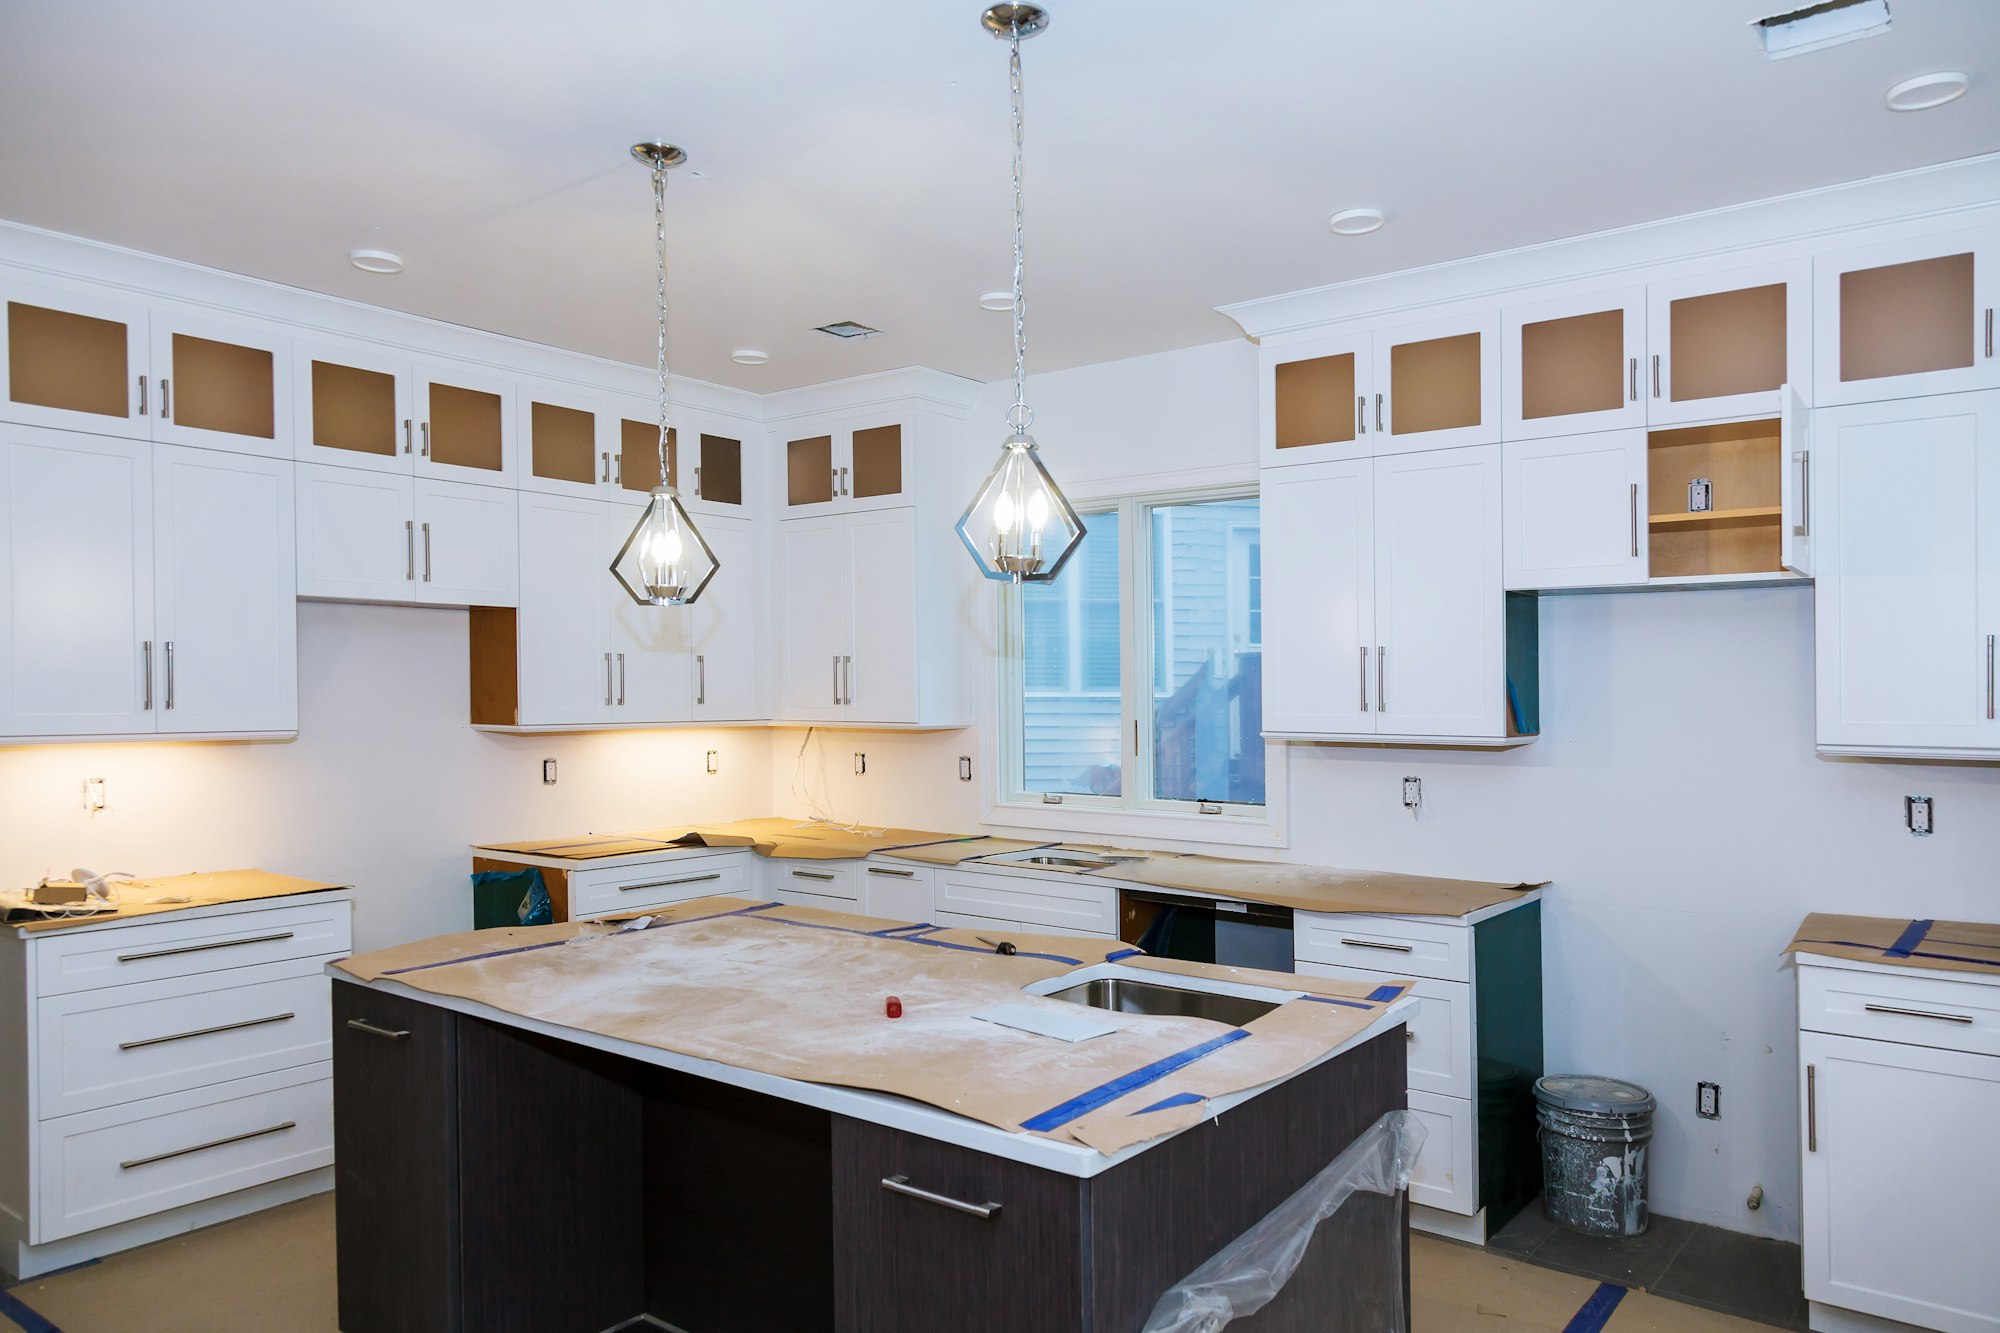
{"x":1572,"y":365}
{"x":1437,"y":385}
{"x":354,"y":406}
{"x":816,"y":598}
{"x":226,"y":608}
{"x":1319,"y":598}
{"x":1906,"y":549}
{"x":1316,"y":399}
{"x":221,"y":384}
{"x":1905,"y":319}
{"x":73,"y":359}
{"x":76,"y":584}
{"x":565,"y":669}
{"x":357,"y":535}
{"x":651,"y":646}
{"x":853,"y":621}
{"x":844,"y":463}
{"x":1722,"y":346}
{"x":1795,"y":483}
{"x":467,"y":540}
{"x":705,"y":461}
{"x":1575,"y":510}
{"x":569,"y":442}
{"x":466,"y":424}
{"x":728,"y":669}
{"x":881,"y":676}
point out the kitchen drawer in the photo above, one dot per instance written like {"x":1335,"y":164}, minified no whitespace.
{"x":123,"y":1043}
{"x":986,"y":925}
{"x":156,"y":948}
{"x":109,"y":1166}
{"x":1918,"y":1011}
{"x":898,"y":892}
{"x":1446,"y":1174}
{"x":1440,"y":1036}
{"x":1395,"y":945}
{"x":634,"y":888}
{"x":785,"y":893}
{"x":1039,"y":902}
{"x":816,"y":879}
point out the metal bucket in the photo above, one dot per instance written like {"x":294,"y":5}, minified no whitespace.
{"x":1594,"y":1133}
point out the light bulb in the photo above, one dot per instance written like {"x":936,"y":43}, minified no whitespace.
{"x":1003,"y":512}
{"x":1038,"y":509}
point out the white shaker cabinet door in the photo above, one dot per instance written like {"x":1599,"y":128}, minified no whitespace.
{"x":1575,"y":510}
{"x":357,"y":535}
{"x":76,"y":583}
{"x":817,"y":608}
{"x":652,"y":661}
{"x":726,"y":660}
{"x":880,"y":683}
{"x":226,"y":600}
{"x":468,"y":544}
{"x":565,"y":662}
{"x":1319,"y":598}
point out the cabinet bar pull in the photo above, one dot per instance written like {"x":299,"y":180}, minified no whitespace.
{"x":410,"y":549}
{"x":1364,"y":677}
{"x":836,"y":678}
{"x":166,"y":399}
{"x":1989,"y":678}
{"x":847,"y":673}
{"x":146,"y":649}
{"x":1409,"y":1034}
{"x":1989,"y":333}
{"x":205,"y":1032}
{"x":1635,"y":520}
{"x":985,"y":1212}
{"x":621,"y":680}
{"x":202,"y":948}
{"x":142,"y":395}
{"x":1376,"y":944}
{"x":604,"y":461}
{"x":697,"y":483}
{"x":1812,"y":1109}
{"x":1381,"y":678}
{"x":1378,"y":414}
{"x":700,"y":678}
{"x":812,"y":874}
{"x":846,"y":486}
{"x":409,"y":436}
{"x":1135,"y":738}
{"x":1918,"y":1013}
{"x":390,"y":1034}
{"x":427,"y":552}
{"x":167,"y":649}
{"x":204,"y":1147}
{"x":427,"y":439}
{"x":1656,"y":374}
{"x":1360,"y":416}
{"x":670,"y":883}
{"x":1635,"y":379}
{"x":1803,"y":528}
{"x":607,"y":680}
{"x":889,"y":870}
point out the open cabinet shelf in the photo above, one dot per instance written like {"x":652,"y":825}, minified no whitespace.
{"x":1743,"y":463}
{"x":1718,"y":517}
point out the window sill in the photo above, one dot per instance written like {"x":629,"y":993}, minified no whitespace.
{"x":1154,"y":825}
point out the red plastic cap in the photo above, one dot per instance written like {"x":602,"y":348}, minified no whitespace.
{"x":894,"y":1008}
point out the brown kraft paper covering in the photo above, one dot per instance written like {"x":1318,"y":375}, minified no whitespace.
{"x":786,"y":838}
{"x":1316,"y":888}
{"x":1950,"y":946}
{"x":207,"y":889}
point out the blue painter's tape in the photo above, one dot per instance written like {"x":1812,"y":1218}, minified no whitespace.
{"x":1914,"y":953}
{"x":915,"y":927}
{"x":1912,"y":936}
{"x":551,"y":944}
{"x":1122,"y":953}
{"x":1178,"y":1099}
{"x":1385,"y":992}
{"x":1596,"y":1311}
{"x":1084,"y":1103}
{"x":31,"y":1321}
{"x":1328,"y":999}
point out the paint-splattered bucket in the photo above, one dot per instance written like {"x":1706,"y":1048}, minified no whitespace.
{"x":1594,"y":1134}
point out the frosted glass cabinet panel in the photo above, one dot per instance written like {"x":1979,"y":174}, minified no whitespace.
{"x":1573,"y":364}
{"x":1437,"y":385}
{"x":221,"y":385}
{"x":72,"y":359}
{"x":1906,"y":319}
{"x":1315,"y":400}
{"x":1723,"y":345}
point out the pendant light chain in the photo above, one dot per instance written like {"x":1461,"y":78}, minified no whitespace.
{"x":660,"y":249}
{"x":1020,"y":416}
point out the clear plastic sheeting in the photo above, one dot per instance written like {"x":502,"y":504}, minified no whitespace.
{"x":1245,"y":1275}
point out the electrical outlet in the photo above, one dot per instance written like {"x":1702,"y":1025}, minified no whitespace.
{"x":1917,"y":814}
{"x":93,"y":794}
{"x":965,"y":768}
{"x":548,"y":772}
{"x":1708,"y":1100}
{"x":1413,"y":793}
{"x":714,"y":761}
{"x":860,"y":763}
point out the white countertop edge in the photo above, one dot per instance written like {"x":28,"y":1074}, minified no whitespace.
{"x":875,"y":1107}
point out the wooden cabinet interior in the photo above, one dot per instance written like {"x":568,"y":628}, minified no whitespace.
{"x":809,"y":470}
{"x":495,"y":666}
{"x":1906,"y":319}
{"x":58,"y":359}
{"x":719,"y":476}
{"x":878,"y":461}
{"x":1727,"y":343}
{"x":1573,"y":365}
{"x":223,"y":387}
{"x":639,"y":454}
{"x":1741,"y":533}
{"x":562,"y":443}
{"x":465,"y":427}
{"x":1434,"y":384}
{"x":1316,"y":401}
{"x":353,"y":409}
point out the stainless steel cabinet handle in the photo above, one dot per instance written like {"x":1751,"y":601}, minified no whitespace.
{"x":142,"y":395}
{"x":621,"y":680}
{"x":166,"y":399}
{"x":1377,"y":944}
{"x":836,"y":677}
{"x":1989,"y":333}
{"x":146,"y":649}
{"x":700,"y":678}
{"x":697,"y":483}
{"x":427,"y":439}
{"x":1364,"y":677}
{"x":1918,"y":1013}
{"x":204,"y":1147}
{"x":1361,"y":416}
{"x":847,"y":670}
{"x":427,"y":552}
{"x":607,"y":680}
{"x":202,"y":948}
{"x":1635,"y":379}
{"x":833,"y":481}
{"x":892,"y":872}
{"x":409,"y":436}
{"x":901,"y":1185}
{"x":1989,"y":678}
{"x":1656,"y":374}
{"x":1803,"y":528}
{"x":167,"y":649}
{"x":1635,"y":520}
{"x":1378,"y":414}
{"x":391,"y":1034}
{"x":617,"y":469}
{"x":206,"y":1032}
{"x":812,"y":874}
{"x":1381,"y":679}
{"x":410,"y":549}
{"x":1812,"y":1109}
{"x":846,"y":486}
{"x":670,"y":883}
{"x":604,"y":461}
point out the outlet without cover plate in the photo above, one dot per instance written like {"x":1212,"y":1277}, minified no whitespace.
{"x":548,"y":772}
{"x":965,"y":768}
{"x":1917,"y":815}
{"x":1708,"y":1100}
{"x":93,"y":794}
{"x":860,"y":763}
{"x":1413,"y":793}
{"x":714,"y":761}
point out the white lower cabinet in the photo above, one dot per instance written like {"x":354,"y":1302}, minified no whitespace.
{"x":897,"y":891}
{"x":594,"y":893}
{"x":834,"y":884}
{"x":368,"y":536}
{"x":1036,"y":901}
{"x":1900,"y":1193}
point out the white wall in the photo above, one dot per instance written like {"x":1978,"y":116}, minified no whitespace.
{"x":385,"y":787}
{"x":1674,"y":800}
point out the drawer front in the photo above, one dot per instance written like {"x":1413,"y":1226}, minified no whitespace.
{"x":104,"y":1167}
{"x":1918,"y":1011}
{"x":1038,"y":902}
{"x":635,"y":888}
{"x":1446,"y":1174}
{"x":1385,"y":944}
{"x":156,"y":948}
{"x":785,"y":893}
{"x":984,"y":924}
{"x":815,"y":879}
{"x":125,"y":1043}
{"x":898,"y":891}
{"x":1440,"y":1036}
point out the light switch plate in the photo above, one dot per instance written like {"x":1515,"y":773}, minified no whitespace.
{"x":1917,"y":814}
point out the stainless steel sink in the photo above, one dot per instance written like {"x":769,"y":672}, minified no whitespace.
{"x":1125,"y":996}
{"x":1060,"y":861}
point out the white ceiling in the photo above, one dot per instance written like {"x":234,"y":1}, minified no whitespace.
{"x":1180,"y":155}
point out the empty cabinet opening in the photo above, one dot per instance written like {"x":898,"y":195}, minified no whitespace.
{"x":1905,"y":319}
{"x":1316,"y":401}
{"x":809,"y":470}
{"x":1726,"y":343}
{"x":639,"y":454}
{"x":1741,"y":532}
{"x":718,"y":478}
{"x":562,"y":443}
{"x":222,"y":387}
{"x":1434,"y":384}
{"x":466,"y":427}
{"x":1574,"y":364}
{"x":67,"y":361}
{"x":878,"y":461}
{"x":353,"y":409}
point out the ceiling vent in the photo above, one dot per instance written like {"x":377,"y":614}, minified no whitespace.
{"x":1817,"y":27}
{"x":847,"y":328}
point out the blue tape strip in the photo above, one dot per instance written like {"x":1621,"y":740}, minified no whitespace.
{"x":1914,"y":953}
{"x":1385,"y":993}
{"x":1906,"y":943}
{"x":914,"y":928}
{"x":14,"y":1308}
{"x":1084,"y":1103}
{"x":551,"y":944}
{"x":1178,"y":1099}
{"x":1122,"y":953}
{"x":1328,"y":999}
{"x":1596,"y":1311}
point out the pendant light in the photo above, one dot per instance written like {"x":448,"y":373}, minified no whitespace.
{"x":1019,"y":527}
{"x":665,"y":562}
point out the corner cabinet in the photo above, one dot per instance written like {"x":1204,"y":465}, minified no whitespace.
{"x":1385,"y":615}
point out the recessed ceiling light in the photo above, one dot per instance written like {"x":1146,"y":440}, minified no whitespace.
{"x":1926,"y":91}
{"x":749,"y":356}
{"x":1355,"y":221}
{"x":375,"y":261}
{"x":996,"y":300}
